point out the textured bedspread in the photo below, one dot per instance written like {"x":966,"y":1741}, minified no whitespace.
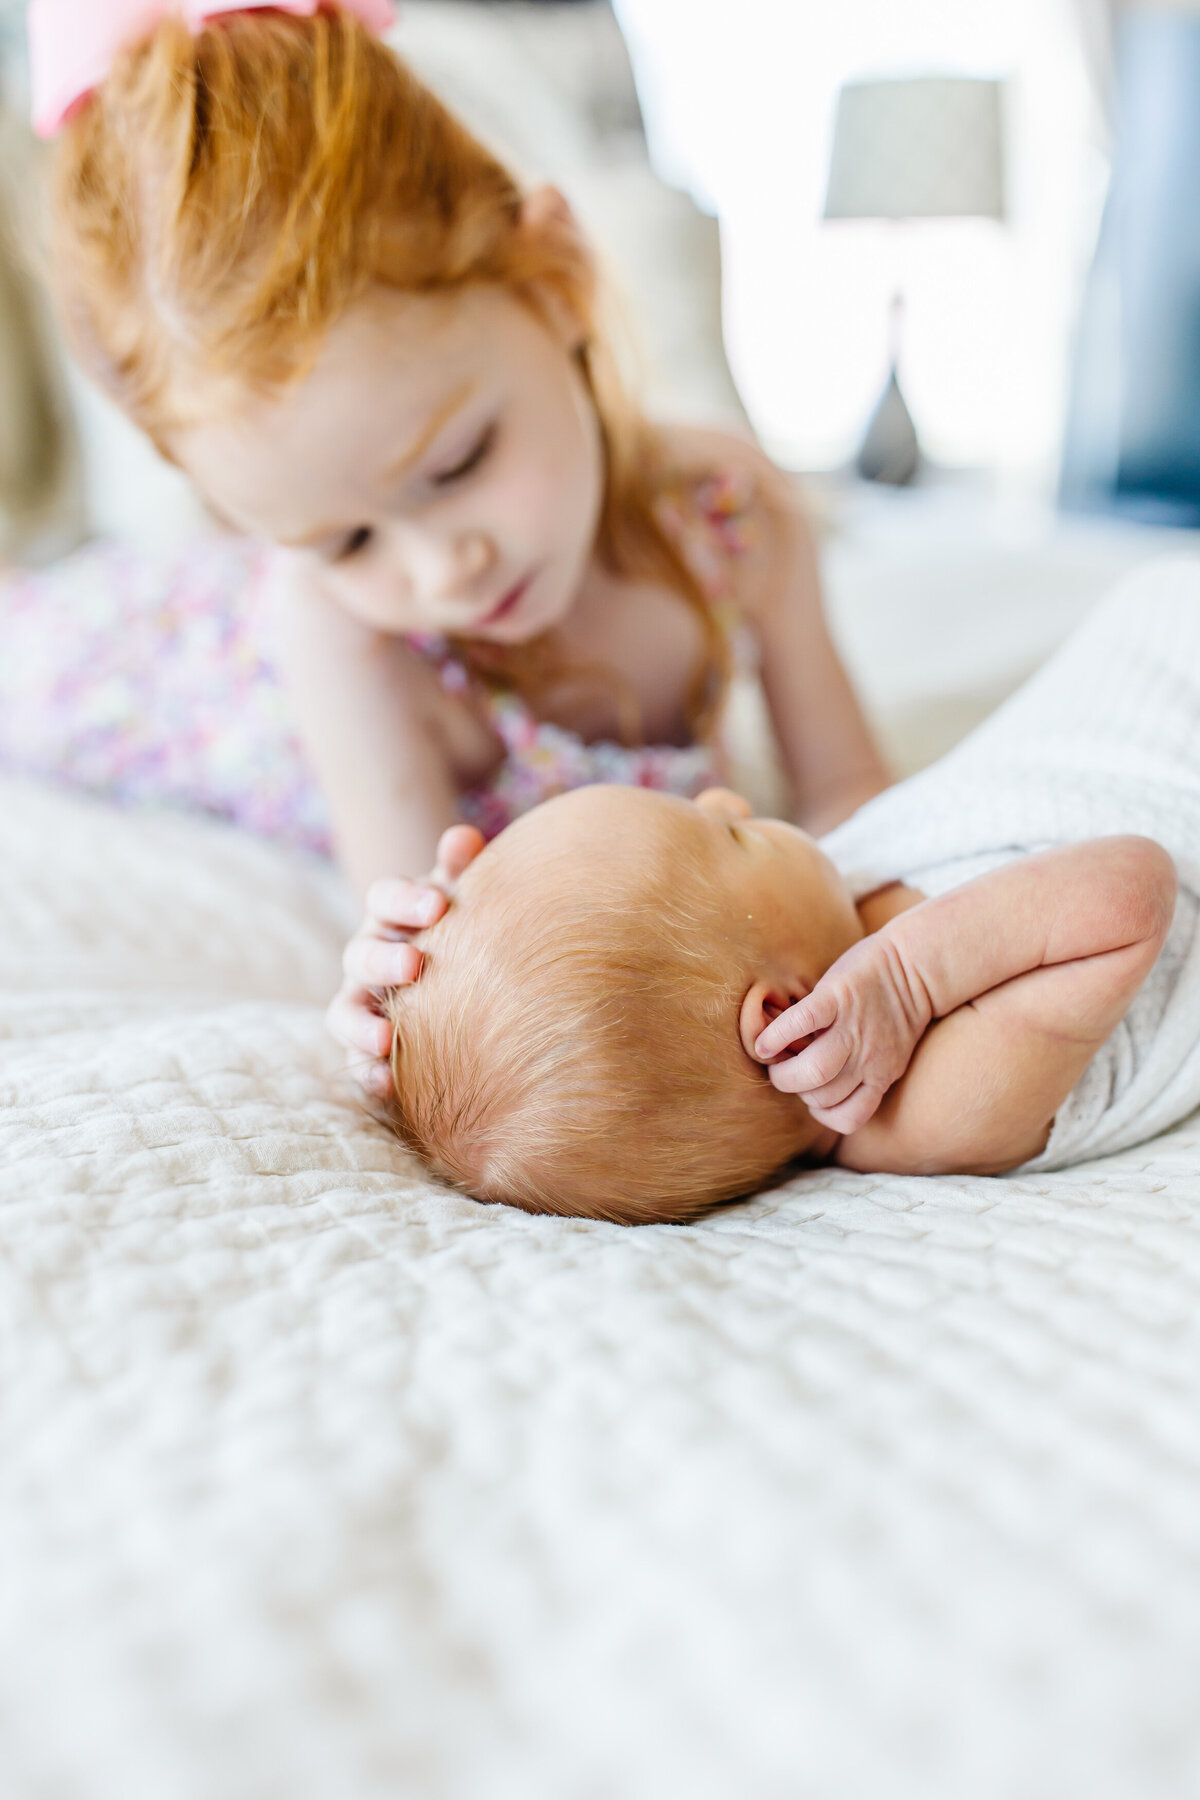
{"x":317,"y":1483}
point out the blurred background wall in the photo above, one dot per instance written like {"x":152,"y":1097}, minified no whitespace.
{"x":743,"y":118}
{"x":1132,"y":434}
{"x":737,"y":108}
{"x":549,"y":86}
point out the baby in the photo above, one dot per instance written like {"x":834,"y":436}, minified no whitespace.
{"x":638,"y":1006}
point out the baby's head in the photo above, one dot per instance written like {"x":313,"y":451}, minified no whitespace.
{"x":581,"y":1038}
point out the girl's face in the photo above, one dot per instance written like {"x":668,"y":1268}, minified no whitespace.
{"x":441,"y":464}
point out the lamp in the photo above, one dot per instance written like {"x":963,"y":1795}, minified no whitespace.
{"x":929,"y":148}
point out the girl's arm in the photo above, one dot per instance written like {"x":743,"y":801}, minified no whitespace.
{"x":364,"y":715}
{"x":362,"y":708}
{"x":1006,"y":987}
{"x":831,"y":758}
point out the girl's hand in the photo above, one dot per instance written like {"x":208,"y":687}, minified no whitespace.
{"x":864,"y":1019}
{"x":379,"y":957}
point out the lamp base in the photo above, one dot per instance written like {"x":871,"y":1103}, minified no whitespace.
{"x":890,"y":452}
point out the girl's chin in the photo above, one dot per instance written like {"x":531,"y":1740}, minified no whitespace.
{"x":532,"y":618}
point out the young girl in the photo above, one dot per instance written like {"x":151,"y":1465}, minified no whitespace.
{"x":492,"y":579}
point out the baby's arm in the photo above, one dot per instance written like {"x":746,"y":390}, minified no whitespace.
{"x":356,"y":694}
{"x":1007,"y":987}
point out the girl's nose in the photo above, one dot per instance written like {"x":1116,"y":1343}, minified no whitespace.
{"x":444,"y":570}
{"x":474,"y":556}
{"x":463,"y":567}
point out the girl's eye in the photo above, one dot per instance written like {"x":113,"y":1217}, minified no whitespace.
{"x":355,"y":544}
{"x":471,"y":461}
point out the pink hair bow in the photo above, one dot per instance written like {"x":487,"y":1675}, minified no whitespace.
{"x":74,"y":43}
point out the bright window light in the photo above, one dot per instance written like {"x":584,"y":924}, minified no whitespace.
{"x":739,"y":109}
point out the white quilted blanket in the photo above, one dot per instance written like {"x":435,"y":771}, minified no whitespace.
{"x":317,"y":1483}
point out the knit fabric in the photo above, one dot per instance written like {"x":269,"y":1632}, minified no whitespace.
{"x":1104,"y":739}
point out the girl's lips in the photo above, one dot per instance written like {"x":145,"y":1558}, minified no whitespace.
{"x":508,"y":604}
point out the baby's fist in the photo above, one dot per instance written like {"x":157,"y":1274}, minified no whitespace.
{"x":864,"y":1019}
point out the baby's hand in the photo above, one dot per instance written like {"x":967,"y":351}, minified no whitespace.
{"x":379,"y":957}
{"x":864,"y":1018}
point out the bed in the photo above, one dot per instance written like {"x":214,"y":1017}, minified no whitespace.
{"x":319,"y":1480}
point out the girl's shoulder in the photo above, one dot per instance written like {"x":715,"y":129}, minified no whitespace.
{"x":732,"y":511}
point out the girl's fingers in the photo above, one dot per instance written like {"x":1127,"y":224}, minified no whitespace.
{"x":374,"y":960}
{"x":352,"y":1022}
{"x":377,"y":1080}
{"x":397,"y":904}
{"x":405,"y":905}
{"x":371,"y":962}
{"x":457,"y":850}
{"x":374,"y":1078}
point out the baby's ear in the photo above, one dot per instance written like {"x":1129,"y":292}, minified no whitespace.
{"x":765,"y":1001}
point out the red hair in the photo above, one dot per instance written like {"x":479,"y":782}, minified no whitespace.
{"x":573,"y":1048}
{"x":226,"y":196}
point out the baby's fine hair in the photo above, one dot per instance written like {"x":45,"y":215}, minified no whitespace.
{"x":580,"y":1054}
{"x":226,"y":195}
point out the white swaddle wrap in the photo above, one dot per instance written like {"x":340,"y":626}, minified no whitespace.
{"x":1104,"y":739}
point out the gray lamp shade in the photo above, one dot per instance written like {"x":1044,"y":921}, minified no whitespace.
{"x":917,"y":149}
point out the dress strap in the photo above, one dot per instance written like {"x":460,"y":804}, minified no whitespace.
{"x":510,"y":717}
